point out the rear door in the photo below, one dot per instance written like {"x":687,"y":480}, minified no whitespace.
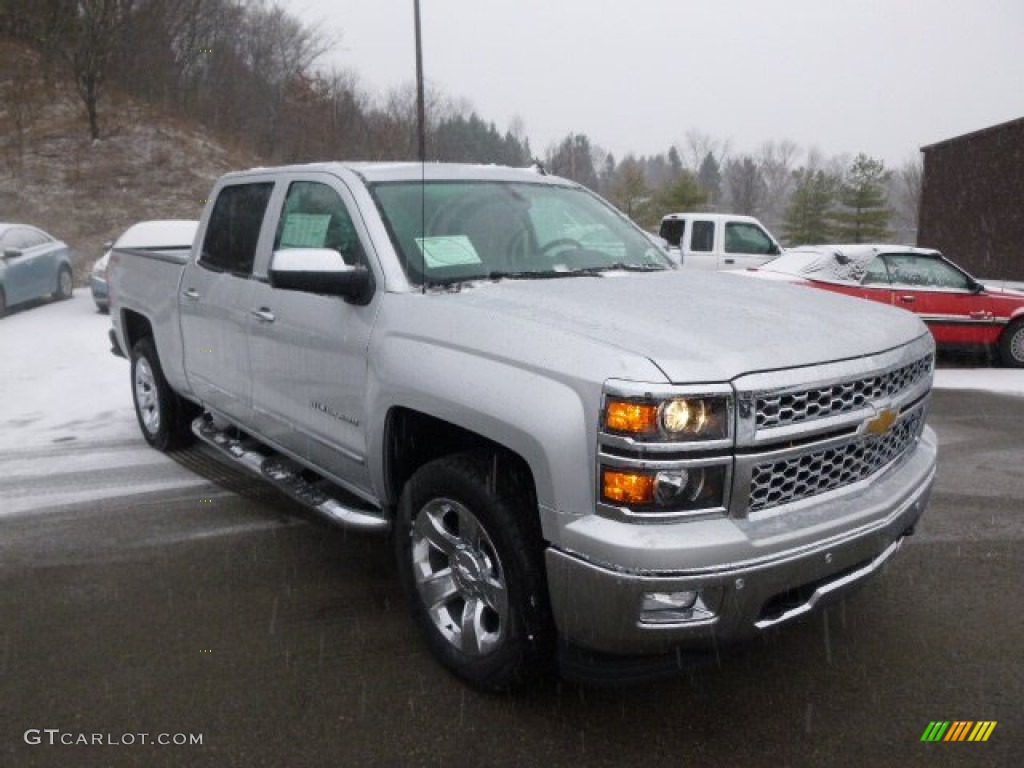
{"x":308,"y":351}
{"x":215,"y":299}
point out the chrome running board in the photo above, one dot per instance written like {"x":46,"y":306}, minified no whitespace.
{"x":286,"y":475}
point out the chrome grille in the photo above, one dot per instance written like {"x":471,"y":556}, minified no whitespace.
{"x":794,"y":407}
{"x":782,"y":482}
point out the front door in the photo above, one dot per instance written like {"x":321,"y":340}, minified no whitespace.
{"x":308,"y":352}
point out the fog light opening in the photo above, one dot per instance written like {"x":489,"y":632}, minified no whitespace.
{"x":673,"y":607}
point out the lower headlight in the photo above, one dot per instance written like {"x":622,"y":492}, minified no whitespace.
{"x":670,"y":490}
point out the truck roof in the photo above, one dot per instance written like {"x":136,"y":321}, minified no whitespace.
{"x":413,"y":171}
{"x":710,"y":216}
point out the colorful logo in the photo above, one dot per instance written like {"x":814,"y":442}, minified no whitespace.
{"x":958,"y":730}
{"x":882,"y":423}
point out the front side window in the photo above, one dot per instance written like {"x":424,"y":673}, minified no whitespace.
{"x":742,"y":237}
{"x":315,"y":216}
{"x":702,"y":236}
{"x":233,"y":231}
{"x":450,"y":231}
{"x":918,"y":271}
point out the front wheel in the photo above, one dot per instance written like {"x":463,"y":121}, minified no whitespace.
{"x":65,"y":284}
{"x":164,"y":417}
{"x":1011,"y":344}
{"x":471,"y":563}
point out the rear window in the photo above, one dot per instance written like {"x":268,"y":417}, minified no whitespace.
{"x":234,"y":228}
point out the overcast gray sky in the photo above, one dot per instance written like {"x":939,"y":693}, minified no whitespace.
{"x":845,"y":76}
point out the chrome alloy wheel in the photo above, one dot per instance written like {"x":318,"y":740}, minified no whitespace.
{"x":146,"y":398}
{"x":459,"y":577}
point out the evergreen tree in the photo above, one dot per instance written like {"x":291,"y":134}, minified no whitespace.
{"x":863,"y":212}
{"x":573,"y":159}
{"x":808,"y":216}
{"x":710,"y":178}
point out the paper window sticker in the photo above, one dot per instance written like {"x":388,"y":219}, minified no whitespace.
{"x":305,"y":230}
{"x":447,"y":251}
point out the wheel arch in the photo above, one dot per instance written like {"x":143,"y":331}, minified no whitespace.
{"x":413,"y":438}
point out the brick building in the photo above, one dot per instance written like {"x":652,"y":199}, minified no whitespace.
{"x":972,"y":200}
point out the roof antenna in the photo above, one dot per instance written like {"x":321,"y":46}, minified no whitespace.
{"x":422,"y":140}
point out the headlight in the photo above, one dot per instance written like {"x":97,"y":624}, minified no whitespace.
{"x":670,"y":490}
{"x":672,"y":419}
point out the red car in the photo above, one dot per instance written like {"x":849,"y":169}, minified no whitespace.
{"x":960,"y":311}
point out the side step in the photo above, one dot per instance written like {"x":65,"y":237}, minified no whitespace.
{"x":286,"y":475}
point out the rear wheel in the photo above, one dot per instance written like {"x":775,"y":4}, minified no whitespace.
{"x":471,"y":563}
{"x":1011,"y":344}
{"x":65,"y":284}
{"x":164,"y":417}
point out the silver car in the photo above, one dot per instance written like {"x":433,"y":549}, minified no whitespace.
{"x":34,"y":265}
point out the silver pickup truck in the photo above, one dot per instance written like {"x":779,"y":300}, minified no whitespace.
{"x":575,"y":444}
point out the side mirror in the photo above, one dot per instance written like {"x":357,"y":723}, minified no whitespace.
{"x":321,"y":271}
{"x":775,"y":250}
{"x":11,"y":253}
{"x":975,"y":287}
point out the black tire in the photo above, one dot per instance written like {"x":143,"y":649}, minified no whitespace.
{"x":509,"y":641}
{"x":164,"y":417}
{"x":65,"y":284}
{"x":1011,"y":344}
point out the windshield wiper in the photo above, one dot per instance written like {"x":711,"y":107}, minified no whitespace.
{"x":620,"y":266}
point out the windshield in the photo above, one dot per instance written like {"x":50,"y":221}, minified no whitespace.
{"x":446,"y":232}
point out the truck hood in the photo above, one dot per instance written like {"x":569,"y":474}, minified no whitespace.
{"x":696,"y":326}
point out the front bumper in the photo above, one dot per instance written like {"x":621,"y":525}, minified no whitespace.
{"x":766,"y":573}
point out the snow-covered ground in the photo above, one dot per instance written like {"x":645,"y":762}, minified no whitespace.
{"x":60,"y":382}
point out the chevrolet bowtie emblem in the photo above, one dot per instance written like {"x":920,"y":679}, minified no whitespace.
{"x":882,"y":423}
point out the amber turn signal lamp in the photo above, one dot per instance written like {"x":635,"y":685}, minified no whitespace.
{"x":632,"y":418}
{"x":627,"y":487}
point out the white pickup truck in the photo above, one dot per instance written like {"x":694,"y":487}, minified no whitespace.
{"x":718,"y":240}
{"x":575,"y":444}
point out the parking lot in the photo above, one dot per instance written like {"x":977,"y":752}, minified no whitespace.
{"x":142,"y":594}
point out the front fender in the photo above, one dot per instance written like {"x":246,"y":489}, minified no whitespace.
{"x":550,"y":423}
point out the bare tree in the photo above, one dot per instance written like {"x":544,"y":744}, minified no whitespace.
{"x":905,"y":194}
{"x":745,"y":185}
{"x":776,"y":160}
{"x":89,"y":36}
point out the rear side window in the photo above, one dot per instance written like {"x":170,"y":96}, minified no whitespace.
{"x":703,"y":237}
{"x":234,"y":228}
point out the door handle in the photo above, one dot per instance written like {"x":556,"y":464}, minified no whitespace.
{"x":980,"y":314}
{"x":908,"y":299}
{"x":728,"y":261}
{"x":263,"y":314}
{"x":191,"y":294}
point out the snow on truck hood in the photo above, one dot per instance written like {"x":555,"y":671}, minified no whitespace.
{"x":699,"y":327}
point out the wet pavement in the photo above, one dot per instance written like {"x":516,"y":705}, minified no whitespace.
{"x":175,"y":598}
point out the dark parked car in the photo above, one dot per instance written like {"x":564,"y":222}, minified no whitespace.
{"x":33,"y":265}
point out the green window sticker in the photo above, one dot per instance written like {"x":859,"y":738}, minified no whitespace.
{"x":447,"y":251}
{"x":305,"y":230}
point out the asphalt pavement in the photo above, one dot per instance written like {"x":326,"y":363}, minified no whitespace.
{"x":172,"y":597}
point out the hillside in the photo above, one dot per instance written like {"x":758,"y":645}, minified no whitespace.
{"x":147,"y":165}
